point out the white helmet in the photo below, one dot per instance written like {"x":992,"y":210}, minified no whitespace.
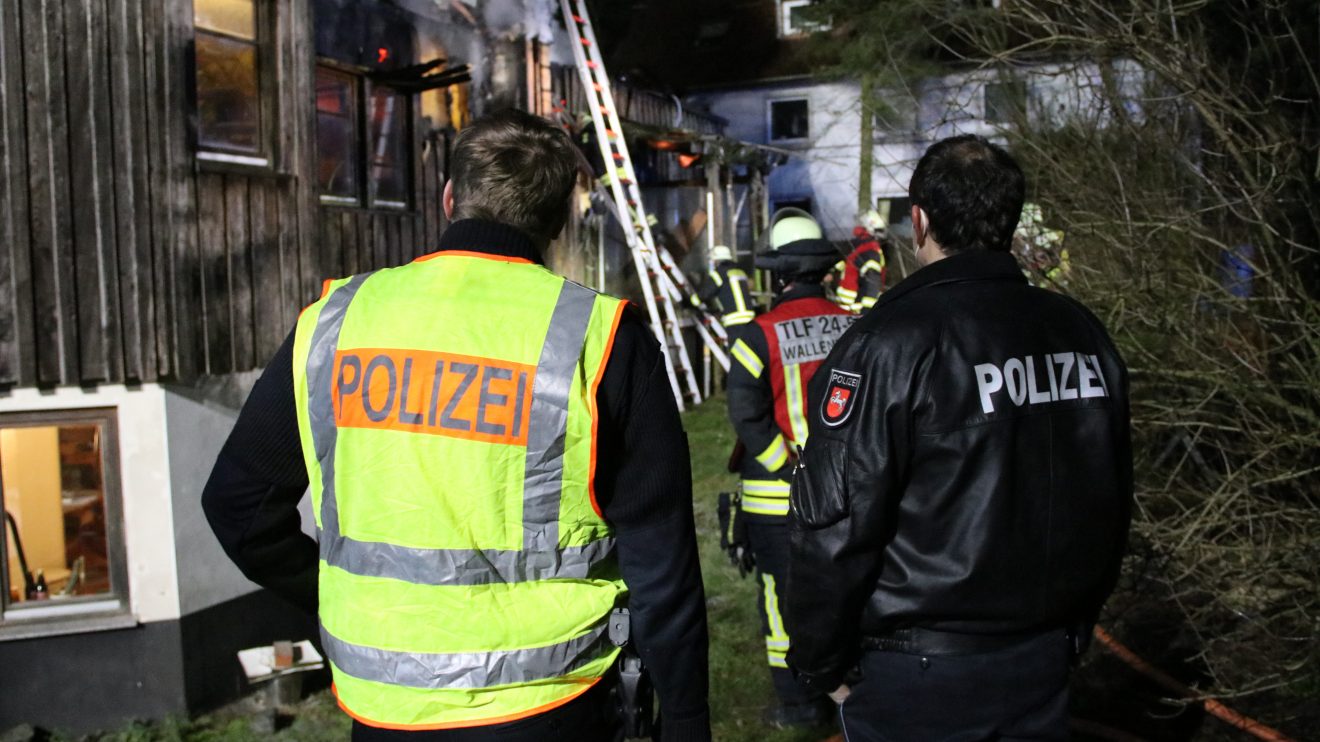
{"x":721,"y":254}
{"x":790,"y":225}
{"x":873,"y":221}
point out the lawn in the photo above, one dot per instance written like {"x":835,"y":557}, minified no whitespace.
{"x":740,"y":681}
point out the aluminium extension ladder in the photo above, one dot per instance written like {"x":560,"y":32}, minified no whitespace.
{"x":663,"y":285}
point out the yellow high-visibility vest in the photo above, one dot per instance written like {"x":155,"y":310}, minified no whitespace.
{"x":447,"y":410}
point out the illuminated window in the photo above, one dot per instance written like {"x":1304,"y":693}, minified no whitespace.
{"x":359,"y":132}
{"x":62,"y":530}
{"x":231,"y":121}
{"x":789,"y":119}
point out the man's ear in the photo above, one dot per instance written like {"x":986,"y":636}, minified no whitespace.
{"x":447,"y":200}
{"x":920,"y":226}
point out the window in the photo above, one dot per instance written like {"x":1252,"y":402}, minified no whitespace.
{"x":231,"y":115}
{"x":797,"y":19}
{"x":362,"y":132}
{"x":64,"y":555}
{"x":336,"y":135}
{"x":1005,"y":102}
{"x":788,"y":119}
{"x":895,"y":115}
{"x":389,"y":148}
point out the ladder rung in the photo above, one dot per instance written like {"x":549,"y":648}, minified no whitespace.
{"x":585,"y":41}
{"x":578,"y":18}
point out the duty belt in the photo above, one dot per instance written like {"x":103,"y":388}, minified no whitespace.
{"x":944,"y":643}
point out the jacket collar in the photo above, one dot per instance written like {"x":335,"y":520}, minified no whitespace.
{"x":976,"y":265}
{"x":490,"y":238}
{"x":800,"y":291}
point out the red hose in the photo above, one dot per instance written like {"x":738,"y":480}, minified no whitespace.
{"x":1215,"y":708}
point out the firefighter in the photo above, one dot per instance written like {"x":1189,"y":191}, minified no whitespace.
{"x":495,"y":462}
{"x":775,"y":357}
{"x":960,"y":513}
{"x":863,"y":276}
{"x":726,"y":291}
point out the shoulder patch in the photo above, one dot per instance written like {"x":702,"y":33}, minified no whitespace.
{"x":840,"y":396}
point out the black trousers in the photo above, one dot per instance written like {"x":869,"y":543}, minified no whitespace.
{"x":768,"y":538}
{"x":591,"y":717}
{"x":1016,"y":693}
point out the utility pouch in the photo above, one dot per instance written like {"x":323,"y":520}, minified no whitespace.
{"x":633,"y":694}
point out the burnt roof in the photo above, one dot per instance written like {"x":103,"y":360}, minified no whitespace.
{"x":686,"y":45}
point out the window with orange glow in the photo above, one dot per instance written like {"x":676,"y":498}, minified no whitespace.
{"x":62,"y":524}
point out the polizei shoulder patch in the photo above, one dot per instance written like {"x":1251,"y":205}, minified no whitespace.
{"x":840,"y":396}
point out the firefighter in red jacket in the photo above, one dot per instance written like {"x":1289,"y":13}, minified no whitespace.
{"x":775,"y":357}
{"x":862,"y":278}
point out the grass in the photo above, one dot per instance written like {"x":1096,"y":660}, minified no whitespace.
{"x":739,"y":677}
{"x":740,"y":680}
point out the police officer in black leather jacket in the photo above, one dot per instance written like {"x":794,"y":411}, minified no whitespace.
{"x":962,"y":505}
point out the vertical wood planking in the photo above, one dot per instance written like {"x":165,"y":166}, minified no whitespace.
{"x":272,"y":267}
{"x":158,"y":190}
{"x":297,"y":60}
{"x":131,"y":188}
{"x":239,"y":253}
{"x":181,"y":321}
{"x":351,"y":242}
{"x":17,"y":343}
{"x":331,"y":238}
{"x":386,"y":238}
{"x":90,"y":194}
{"x":51,"y":225}
{"x":213,"y":270}
{"x":408,"y":229}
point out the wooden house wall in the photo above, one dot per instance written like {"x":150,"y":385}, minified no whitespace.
{"x":122,"y":260}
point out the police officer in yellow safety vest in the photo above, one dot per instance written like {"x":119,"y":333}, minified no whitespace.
{"x":726,"y":291}
{"x":495,"y":463}
{"x":774,"y":359}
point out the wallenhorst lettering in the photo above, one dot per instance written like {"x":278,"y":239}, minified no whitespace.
{"x":1050,"y":377}
{"x":481,"y":399}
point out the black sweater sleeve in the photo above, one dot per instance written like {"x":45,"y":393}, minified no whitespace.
{"x":644,"y":488}
{"x":251,"y":499}
{"x":644,"y":484}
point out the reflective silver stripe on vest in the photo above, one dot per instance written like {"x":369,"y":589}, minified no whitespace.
{"x":547,"y":426}
{"x":466,"y":669}
{"x":463,"y":566}
{"x":320,"y":406}
{"x":540,"y":558}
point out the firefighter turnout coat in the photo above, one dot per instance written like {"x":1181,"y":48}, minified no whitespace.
{"x":969,"y":468}
{"x":775,"y":358}
{"x":863,"y":278}
{"x":466,"y":575}
{"x":726,"y":292}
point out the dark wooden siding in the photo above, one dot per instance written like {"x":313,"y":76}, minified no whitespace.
{"x":122,"y":259}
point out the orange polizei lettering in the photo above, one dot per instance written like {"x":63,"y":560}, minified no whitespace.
{"x":419,"y":391}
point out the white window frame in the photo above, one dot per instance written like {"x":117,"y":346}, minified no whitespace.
{"x":110,"y":610}
{"x":786,"y":28}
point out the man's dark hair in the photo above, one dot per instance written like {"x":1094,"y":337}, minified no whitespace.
{"x":972,"y":192}
{"x":517,"y":169}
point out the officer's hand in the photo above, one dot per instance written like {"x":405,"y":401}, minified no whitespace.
{"x":840,"y":694}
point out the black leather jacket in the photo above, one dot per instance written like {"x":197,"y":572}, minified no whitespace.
{"x":969,"y":468}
